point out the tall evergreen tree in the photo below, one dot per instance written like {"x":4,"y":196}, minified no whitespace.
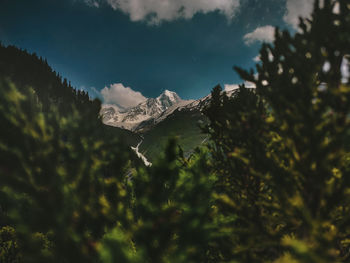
{"x":282,"y":154}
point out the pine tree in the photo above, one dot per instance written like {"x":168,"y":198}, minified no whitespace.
{"x":282,"y":161}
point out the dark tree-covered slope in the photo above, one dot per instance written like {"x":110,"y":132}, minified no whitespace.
{"x":184,"y":125}
{"x":28,"y":70}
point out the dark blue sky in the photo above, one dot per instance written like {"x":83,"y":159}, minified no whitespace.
{"x":96,"y":47}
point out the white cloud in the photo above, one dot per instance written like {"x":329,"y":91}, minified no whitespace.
{"x":297,"y":8}
{"x":261,"y":34}
{"x":121,"y":96}
{"x":156,"y":11}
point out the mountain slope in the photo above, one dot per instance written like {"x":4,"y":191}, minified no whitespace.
{"x":182,"y":124}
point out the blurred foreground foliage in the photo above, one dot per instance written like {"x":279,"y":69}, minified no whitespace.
{"x":281,"y":151}
{"x":60,"y":178}
{"x":272,"y":185}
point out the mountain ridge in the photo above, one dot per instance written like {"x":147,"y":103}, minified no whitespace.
{"x":147,"y":111}
{"x":152,"y":111}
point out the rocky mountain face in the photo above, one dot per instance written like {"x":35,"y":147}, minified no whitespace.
{"x":152,"y":111}
{"x":146,"y":112}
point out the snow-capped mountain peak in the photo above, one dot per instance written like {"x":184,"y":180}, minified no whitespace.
{"x":169,"y":96}
{"x":150,"y":109}
{"x":168,"y":99}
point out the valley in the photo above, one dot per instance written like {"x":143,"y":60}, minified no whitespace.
{"x":156,"y":120}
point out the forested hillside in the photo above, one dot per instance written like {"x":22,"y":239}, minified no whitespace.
{"x":271,"y":185}
{"x":183,"y":125}
{"x":27,"y":70}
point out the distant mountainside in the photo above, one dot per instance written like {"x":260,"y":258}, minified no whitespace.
{"x":183,"y":124}
{"x":157,"y":119}
{"x":182,"y":121}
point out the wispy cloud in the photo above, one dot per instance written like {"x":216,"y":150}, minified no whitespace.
{"x":296,"y":9}
{"x":123,"y":97}
{"x":157,"y":11}
{"x":260,"y":34}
